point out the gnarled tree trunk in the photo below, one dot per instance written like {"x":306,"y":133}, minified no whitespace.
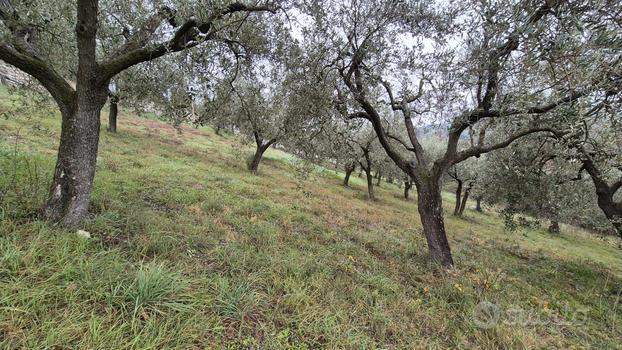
{"x":606,"y":195}
{"x":430,"y":205}
{"x":70,"y":192}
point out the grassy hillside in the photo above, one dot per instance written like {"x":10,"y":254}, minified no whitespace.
{"x":188,"y":250}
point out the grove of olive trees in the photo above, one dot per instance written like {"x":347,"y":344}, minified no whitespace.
{"x":310,"y":174}
{"x":409,"y":90}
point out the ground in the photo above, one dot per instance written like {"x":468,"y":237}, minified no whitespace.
{"x":189,"y":251}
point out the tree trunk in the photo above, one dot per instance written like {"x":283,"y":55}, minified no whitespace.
{"x":606,"y":195}
{"x":465,"y":198}
{"x":478,"y":201}
{"x":430,"y":204}
{"x":554,"y":227}
{"x":70,"y":192}
{"x":112,"y":116}
{"x":349,"y":170}
{"x":407,"y":186}
{"x":379,"y":178}
{"x":612,"y":210}
{"x":458,"y":196}
{"x":370,"y":184}
{"x":253,"y":164}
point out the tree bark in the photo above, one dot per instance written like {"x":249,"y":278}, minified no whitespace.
{"x":379,"y":178}
{"x":478,"y":201}
{"x":458,"y":196}
{"x":70,"y":192}
{"x":349,"y":170}
{"x":112,"y":115}
{"x":430,"y":205}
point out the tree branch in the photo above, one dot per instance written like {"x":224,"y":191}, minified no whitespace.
{"x":58,"y":87}
{"x":141,"y":37}
{"x":188,"y":35}
{"x":22,"y":53}
{"x":406,"y":111}
{"x":401,"y":142}
{"x":371,"y":115}
{"x":477,"y":150}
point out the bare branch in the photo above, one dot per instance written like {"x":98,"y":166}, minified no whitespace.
{"x":402,"y":142}
{"x":141,"y":37}
{"x":476,"y":151}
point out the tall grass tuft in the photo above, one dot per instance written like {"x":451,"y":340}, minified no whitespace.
{"x":156,"y":290}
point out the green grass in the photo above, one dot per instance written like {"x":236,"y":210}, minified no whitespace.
{"x":189,"y":250}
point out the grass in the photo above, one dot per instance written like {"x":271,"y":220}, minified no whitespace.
{"x":189,"y":250}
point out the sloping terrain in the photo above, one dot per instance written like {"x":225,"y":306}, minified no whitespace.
{"x":189,"y":250}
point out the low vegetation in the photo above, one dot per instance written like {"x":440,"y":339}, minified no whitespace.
{"x":190,"y":250}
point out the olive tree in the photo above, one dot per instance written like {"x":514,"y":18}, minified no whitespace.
{"x":474,"y":67}
{"x":256,"y":110}
{"x":75,"y":48}
{"x":595,"y":146}
{"x":465,"y":175}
